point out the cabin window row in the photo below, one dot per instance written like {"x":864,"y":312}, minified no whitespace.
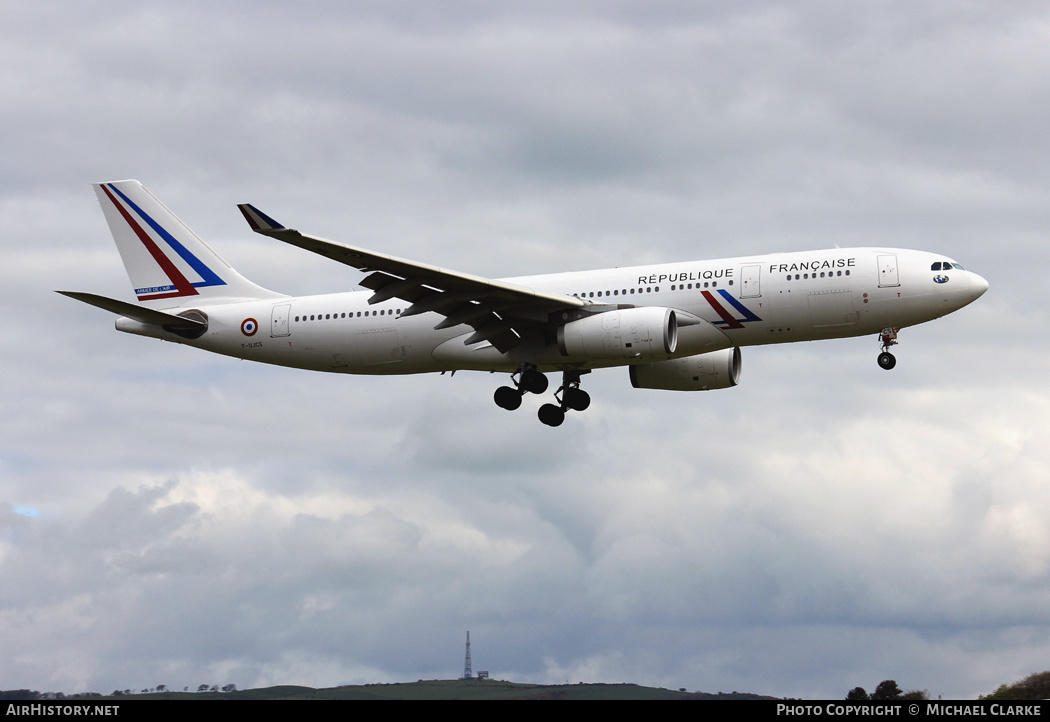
{"x":689,"y":286}
{"x":337,"y":316}
{"x":647,"y":289}
{"x":616,"y":292}
{"x":809,"y":276}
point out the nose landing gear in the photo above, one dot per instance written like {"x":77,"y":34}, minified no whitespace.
{"x":888,"y":337}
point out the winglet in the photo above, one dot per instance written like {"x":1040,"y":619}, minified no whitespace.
{"x":259,"y":221}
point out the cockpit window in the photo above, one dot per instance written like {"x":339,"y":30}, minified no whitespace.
{"x":945,"y":266}
{"x":936,"y":266}
{"x":959,"y":266}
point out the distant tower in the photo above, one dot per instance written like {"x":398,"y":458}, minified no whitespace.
{"x":467,"y":674}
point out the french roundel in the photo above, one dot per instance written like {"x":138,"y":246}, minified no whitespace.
{"x":249,"y":326}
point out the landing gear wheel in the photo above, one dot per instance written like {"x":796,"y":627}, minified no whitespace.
{"x":552,"y":415}
{"x":534,"y":382}
{"x":576,"y":399}
{"x":888,"y":337}
{"x":528,"y":380}
{"x":507,"y":398}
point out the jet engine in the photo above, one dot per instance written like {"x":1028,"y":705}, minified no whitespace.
{"x":648,"y":332}
{"x":715,"y":370}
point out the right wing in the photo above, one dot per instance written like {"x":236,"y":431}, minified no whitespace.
{"x":498,"y":312}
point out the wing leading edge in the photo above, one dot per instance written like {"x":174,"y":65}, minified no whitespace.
{"x":498,"y":312}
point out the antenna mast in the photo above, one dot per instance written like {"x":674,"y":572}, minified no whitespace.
{"x":467,"y":674}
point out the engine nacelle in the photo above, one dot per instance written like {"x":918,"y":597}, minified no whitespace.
{"x":715,"y":370}
{"x":648,"y":332}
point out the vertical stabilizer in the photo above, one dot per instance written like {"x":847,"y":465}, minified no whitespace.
{"x":168,"y":264}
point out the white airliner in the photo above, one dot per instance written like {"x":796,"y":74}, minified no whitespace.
{"x":676,"y":326}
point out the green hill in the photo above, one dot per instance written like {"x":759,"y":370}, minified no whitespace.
{"x":453,"y":689}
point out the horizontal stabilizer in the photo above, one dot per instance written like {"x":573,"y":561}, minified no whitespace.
{"x":137,"y":313}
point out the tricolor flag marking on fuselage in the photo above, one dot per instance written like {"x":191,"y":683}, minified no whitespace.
{"x":728,"y":319}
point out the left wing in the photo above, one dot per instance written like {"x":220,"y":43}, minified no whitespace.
{"x":498,"y":312}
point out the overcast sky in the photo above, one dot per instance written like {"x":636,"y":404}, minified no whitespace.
{"x":171,"y":517}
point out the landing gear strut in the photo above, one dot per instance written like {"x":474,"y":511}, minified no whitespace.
{"x":888,"y":336}
{"x":528,"y":380}
{"x":572,"y":398}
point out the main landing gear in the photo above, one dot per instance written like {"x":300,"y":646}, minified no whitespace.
{"x":528,"y":381}
{"x":573,"y":398}
{"x":888,"y":336}
{"x":570,"y":396}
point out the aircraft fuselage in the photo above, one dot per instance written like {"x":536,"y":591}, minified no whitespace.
{"x":754,"y":300}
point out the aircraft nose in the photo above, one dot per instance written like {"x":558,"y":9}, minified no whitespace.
{"x":977,"y":285}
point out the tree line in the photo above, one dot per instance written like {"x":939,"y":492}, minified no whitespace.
{"x":29,"y":694}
